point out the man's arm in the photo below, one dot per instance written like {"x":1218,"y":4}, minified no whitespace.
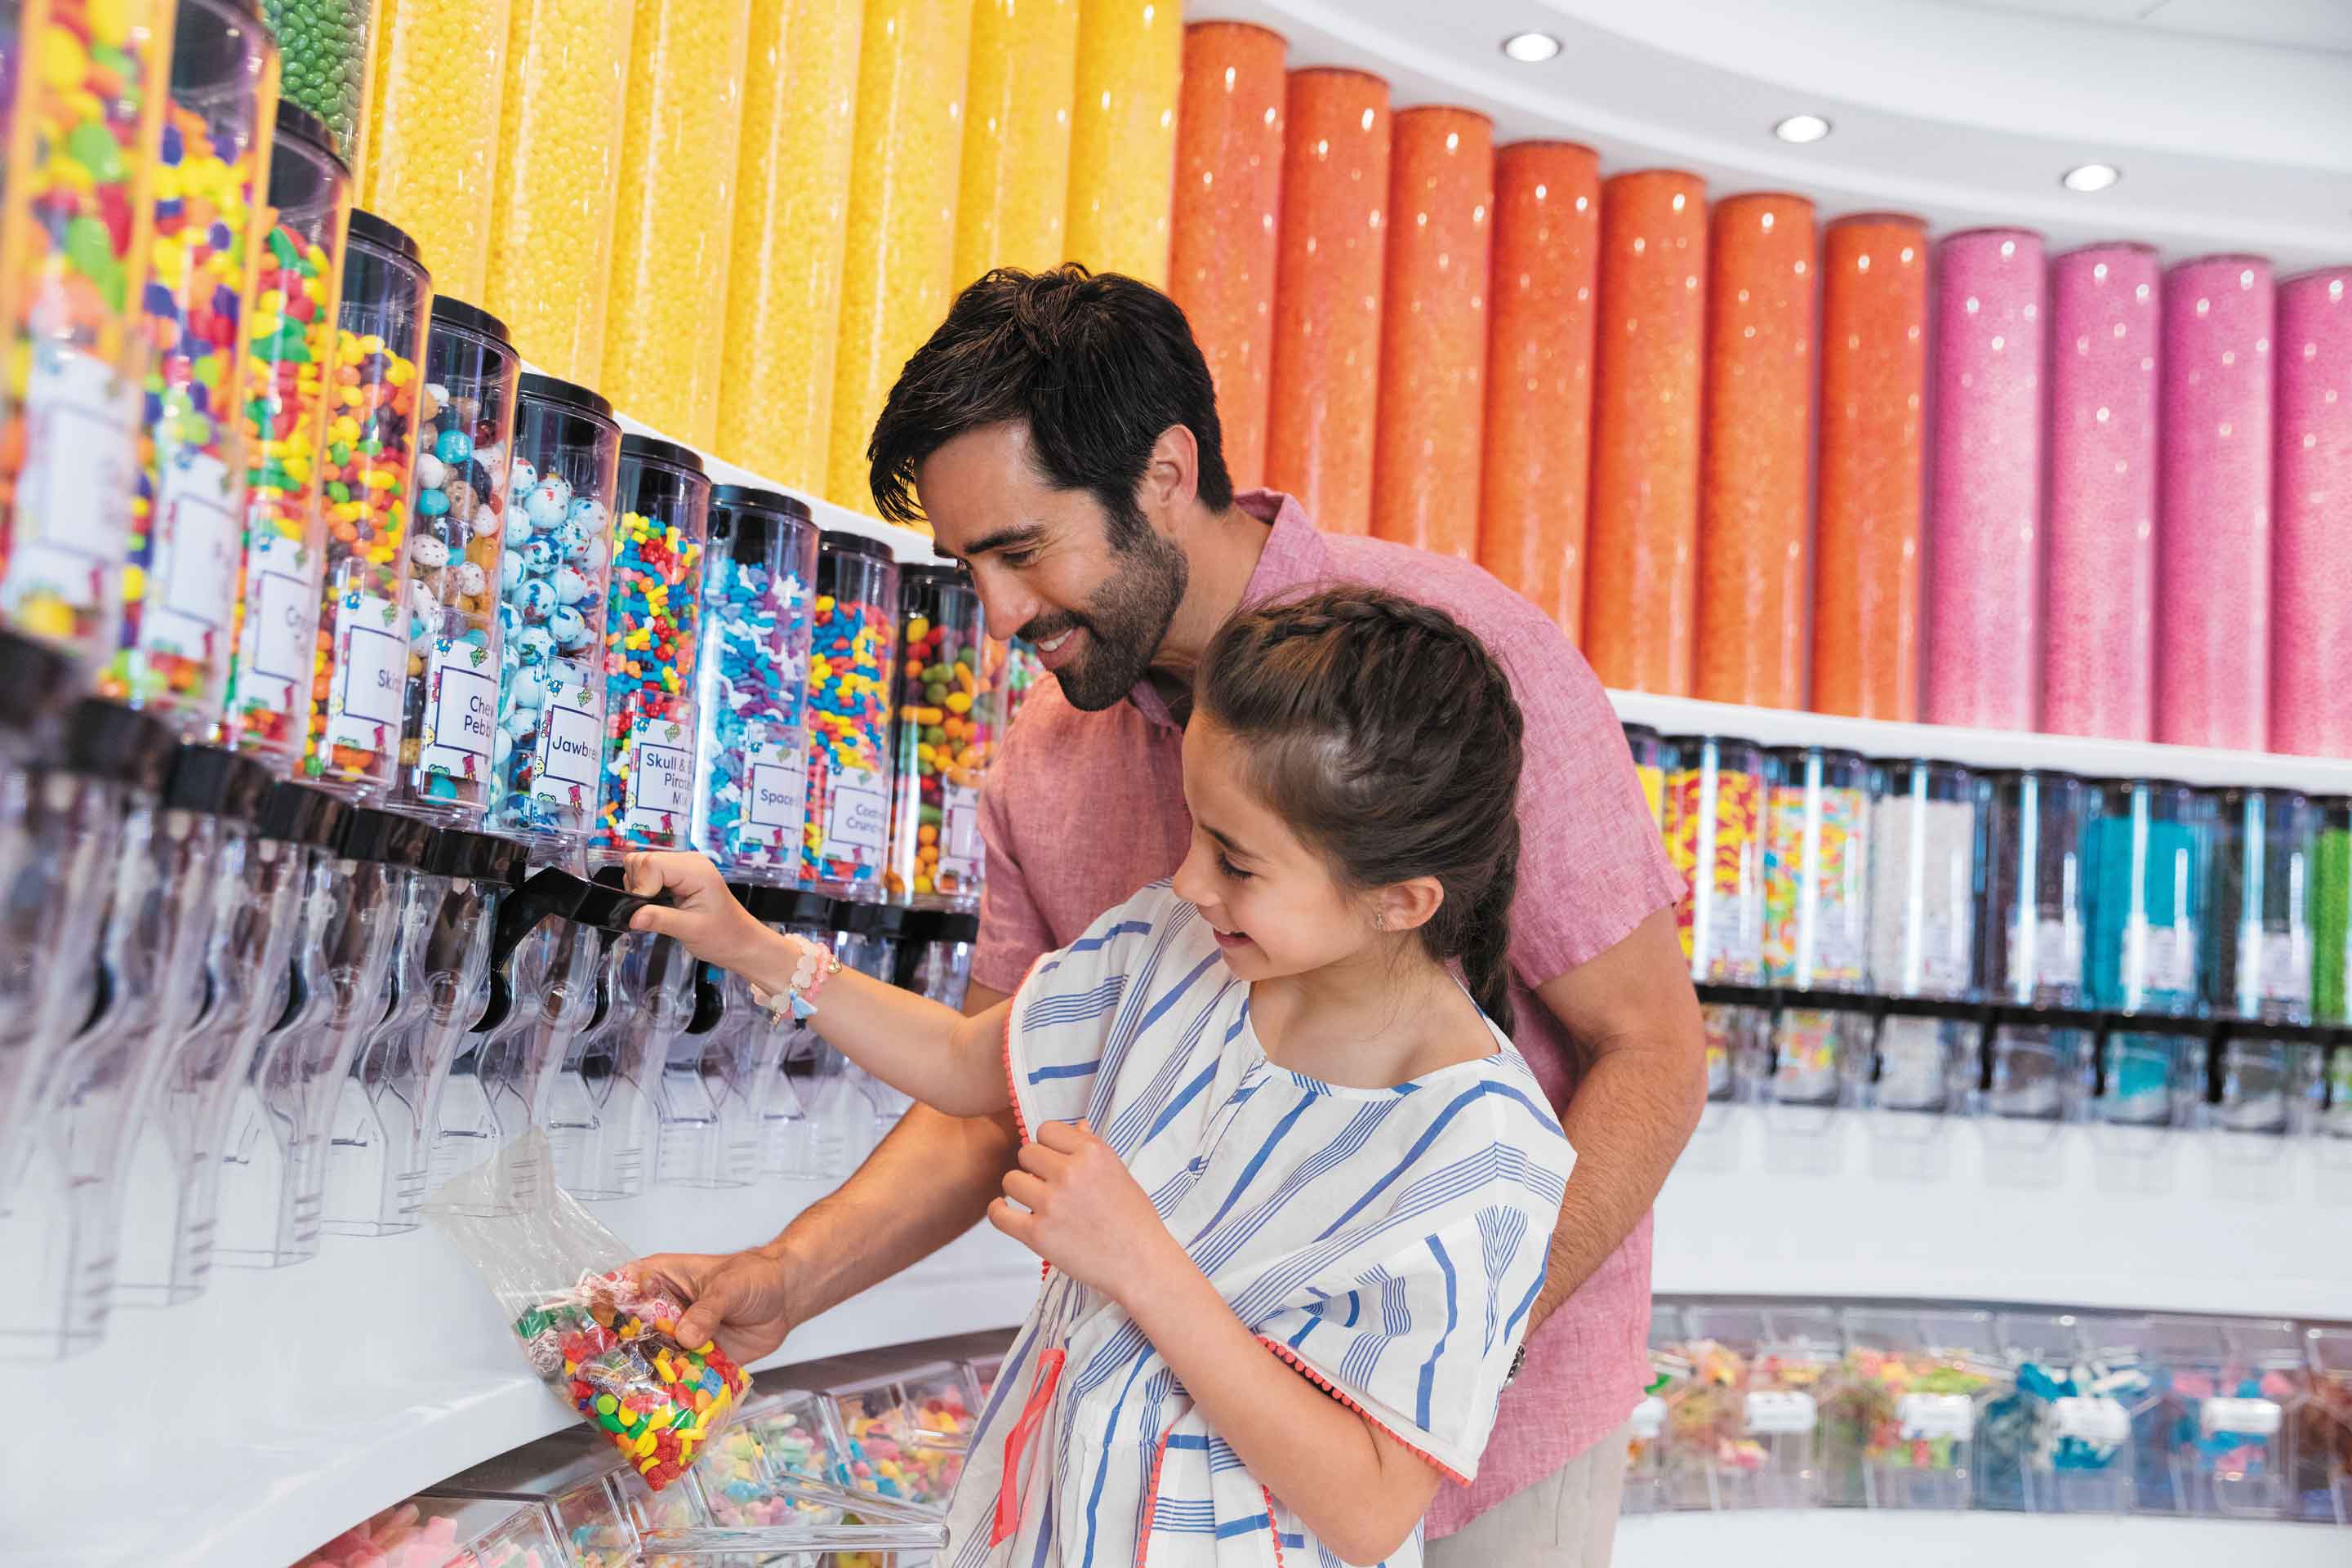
{"x":1632,"y":1010}
{"x":927,"y":1182}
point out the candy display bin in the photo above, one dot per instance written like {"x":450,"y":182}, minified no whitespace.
{"x":1900,"y":1418}
{"x":851,"y":662}
{"x":653,"y":625}
{"x":982,"y":1371}
{"x":326,"y":45}
{"x":2062,"y":1443}
{"x":1926,"y":823}
{"x":1766,"y":1443}
{"x":1649,"y":1472}
{"x":798,"y":1438}
{"x":1715,"y":825}
{"x":2146,"y":854}
{"x":719,"y":1068}
{"x":436,"y":1530}
{"x":904,"y":1435}
{"x":2322,"y":1447}
{"x":566,"y":1477}
{"x":1652,"y":760}
{"x":456,"y":565}
{"x":2211,"y":1431}
{"x":947,"y":728}
{"x":1816,"y":918}
{"x":603,"y":1118}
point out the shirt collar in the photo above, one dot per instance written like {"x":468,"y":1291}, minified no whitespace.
{"x":1294,"y":556}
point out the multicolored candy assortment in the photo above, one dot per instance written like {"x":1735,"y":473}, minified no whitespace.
{"x":611,"y":1342}
{"x":851,"y":661}
{"x":1022,"y":671}
{"x":179,"y":577}
{"x":289,"y":354}
{"x":904,"y":1439}
{"x":752,"y":755}
{"x":444,"y":1532}
{"x":947,"y":701}
{"x":653,"y":627}
{"x":1863,"y":1414}
{"x":73,"y":242}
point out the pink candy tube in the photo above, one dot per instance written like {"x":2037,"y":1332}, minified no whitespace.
{"x":1984,"y":566}
{"x":2213,"y":530}
{"x":2311,"y":642}
{"x":2099,"y":575}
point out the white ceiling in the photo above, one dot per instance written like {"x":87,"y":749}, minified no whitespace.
{"x":2296,"y":24}
{"x":1965,"y":111}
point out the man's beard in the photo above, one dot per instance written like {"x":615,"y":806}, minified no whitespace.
{"x":1124,"y":626}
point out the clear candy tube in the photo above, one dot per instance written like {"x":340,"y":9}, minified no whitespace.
{"x":751,"y":684}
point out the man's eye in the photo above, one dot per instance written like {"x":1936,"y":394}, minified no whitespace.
{"x":1017,"y":559}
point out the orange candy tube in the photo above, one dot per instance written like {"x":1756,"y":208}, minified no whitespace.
{"x":1641,"y":588}
{"x":1872,"y":445}
{"x":1538,"y":461}
{"x":1327,"y":288}
{"x":1758,"y":441}
{"x":1426,"y":450}
{"x":1225,"y":235}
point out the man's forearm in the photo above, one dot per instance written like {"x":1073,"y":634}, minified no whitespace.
{"x":927,"y":1182}
{"x":1630,"y":1119}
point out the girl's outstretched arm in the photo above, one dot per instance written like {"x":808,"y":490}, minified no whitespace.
{"x":950,"y":1062}
{"x":1356,"y":1487}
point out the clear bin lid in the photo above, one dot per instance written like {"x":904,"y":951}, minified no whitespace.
{"x":433,"y":1530}
{"x":929,"y":1407}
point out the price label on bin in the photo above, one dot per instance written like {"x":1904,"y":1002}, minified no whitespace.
{"x":1775,"y":1412}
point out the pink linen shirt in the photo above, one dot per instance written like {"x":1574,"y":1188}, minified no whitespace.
{"x":1081,"y":809}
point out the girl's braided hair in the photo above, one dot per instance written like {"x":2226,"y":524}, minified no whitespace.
{"x":1386,"y":735}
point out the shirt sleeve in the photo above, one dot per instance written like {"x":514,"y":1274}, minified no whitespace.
{"x":1063,"y":1012}
{"x":1417,"y":1331}
{"x":1012,"y":929}
{"x":1592,"y":865}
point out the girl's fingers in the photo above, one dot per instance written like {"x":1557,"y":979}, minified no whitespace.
{"x":1025,"y":1189}
{"x":1020,"y":1228}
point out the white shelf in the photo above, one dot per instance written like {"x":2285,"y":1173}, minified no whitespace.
{"x":1986,"y":748}
{"x":1778,"y":1201}
{"x":283,"y":1406}
{"x":1855,"y":1538}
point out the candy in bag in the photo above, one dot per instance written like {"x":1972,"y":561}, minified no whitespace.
{"x":606,"y":1343}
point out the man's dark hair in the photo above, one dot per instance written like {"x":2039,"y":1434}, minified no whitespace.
{"x":1096,"y":366}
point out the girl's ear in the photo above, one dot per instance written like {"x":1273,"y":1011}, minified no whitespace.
{"x":1408,"y":905}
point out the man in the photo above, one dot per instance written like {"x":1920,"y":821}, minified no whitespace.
{"x":1061,"y":432}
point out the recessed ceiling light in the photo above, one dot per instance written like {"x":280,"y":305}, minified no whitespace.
{"x":1531,"y":48}
{"x":2091,"y":178}
{"x":1801,"y":128}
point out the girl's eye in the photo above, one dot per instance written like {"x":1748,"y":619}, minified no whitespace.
{"x":1229,"y":869}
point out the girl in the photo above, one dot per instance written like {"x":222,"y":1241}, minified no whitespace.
{"x":1292,"y":1191}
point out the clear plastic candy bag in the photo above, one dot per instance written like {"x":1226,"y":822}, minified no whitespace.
{"x":604,"y":1341}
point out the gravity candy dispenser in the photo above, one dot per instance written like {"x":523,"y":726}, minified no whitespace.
{"x":1714,"y":839}
{"x":852,"y":659}
{"x":2331,"y":960}
{"x":180,"y":581}
{"x":751,"y":685}
{"x":791,"y":1144}
{"x":2145,"y":862}
{"x":368,"y":466}
{"x":2258,"y":959}
{"x":290,"y":352}
{"x":75,"y":217}
{"x":274,"y":1183}
{"x":948,"y":702}
{"x":1817,"y":851}
{"x":456,"y":564}
{"x":168,"y":1241}
{"x":2034,"y":949}
{"x":1924,"y":850}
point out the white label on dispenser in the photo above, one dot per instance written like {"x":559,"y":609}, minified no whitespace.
{"x":71,"y":496}
{"x":196,"y":544}
{"x":2240,"y":1417}
{"x":571,"y":747}
{"x":2284,"y":966}
{"x":281,"y":625}
{"x":372,"y":673}
{"x":2094,"y":1419}
{"x":2057,"y":956}
{"x":959,"y":844}
{"x":1774,"y":1411}
{"x":857,"y":821}
{"x":1922,"y":1415}
{"x":2161,"y":959}
{"x":661,"y":777}
{"x":779,"y":785}
{"x":461,"y":710}
{"x":1649,"y":1419}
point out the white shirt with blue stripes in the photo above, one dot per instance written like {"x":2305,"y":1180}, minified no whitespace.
{"x":1388,"y":1243}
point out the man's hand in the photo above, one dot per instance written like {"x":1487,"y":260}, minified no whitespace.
{"x":1087,"y":1214}
{"x":742,"y":1299}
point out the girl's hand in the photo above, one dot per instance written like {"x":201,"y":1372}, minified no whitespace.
{"x":1088,"y":1215}
{"x":701,"y":912}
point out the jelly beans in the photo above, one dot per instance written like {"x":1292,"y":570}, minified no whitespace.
{"x":289,"y":357}
{"x":179,"y":588}
{"x":850,"y":667}
{"x":906,"y":1436}
{"x":456,"y":552}
{"x":948,"y":701}
{"x":431,"y":150}
{"x":1022,"y":671}
{"x":653,"y":625}
{"x":326,"y":45}
{"x":361,"y":677}
{"x":1815,"y":859}
{"x":548,"y":756}
{"x":73,"y":245}
{"x":1715,"y":801}
{"x":751,"y":684}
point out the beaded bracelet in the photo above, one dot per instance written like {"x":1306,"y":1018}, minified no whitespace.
{"x":814,"y":967}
